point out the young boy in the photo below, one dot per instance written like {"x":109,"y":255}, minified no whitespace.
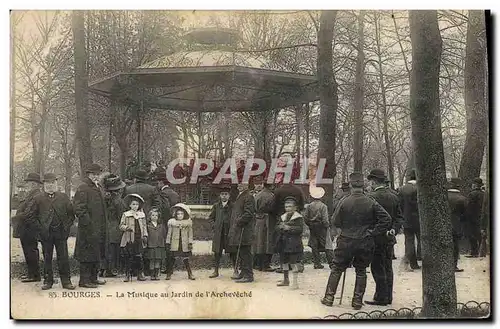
{"x":289,"y":241}
{"x":219,"y":218}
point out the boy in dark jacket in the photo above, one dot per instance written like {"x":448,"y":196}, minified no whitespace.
{"x":289,"y":241}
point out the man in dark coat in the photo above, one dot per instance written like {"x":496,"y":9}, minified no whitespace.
{"x":166,"y":197}
{"x":265,"y":225}
{"x":115,"y":207}
{"x":90,"y":210}
{"x":345,"y":190}
{"x":381,"y":267}
{"x":220,"y":218}
{"x":146,"y":191}
{"x":241,"y":232}
{"x":409,"y":207}
{"x":361,"y":219}
{"x":457,"y":208}
{"x":26,"y":227}
{"x":473,"y":216}
{"x":55,"y":214}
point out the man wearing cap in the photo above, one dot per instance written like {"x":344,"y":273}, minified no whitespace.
{"x":26,"y":228}
{"x":381,"y":266}
{"x":90,"y":210}
{"x":473,"y":216}
{"x":115,"y":207}
{"x":317,"y":219}
{"x":55,"y":213}
{"x":457,"y":208}
{"x":242,"y":224}
{"x":361,"y":219}
{"x":411,"y":225}
{"x":265,"y":223}
{"x":219,"y":218}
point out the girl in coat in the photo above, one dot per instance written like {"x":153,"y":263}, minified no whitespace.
{"x":134,"y":237}
{"x":156,"y":243}
{"x":289,"y":241}
{"x":180,"y":237}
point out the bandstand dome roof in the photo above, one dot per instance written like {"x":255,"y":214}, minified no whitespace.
{"x":211,"y":80}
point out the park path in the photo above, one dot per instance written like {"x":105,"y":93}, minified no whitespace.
{"x":266,"y":302}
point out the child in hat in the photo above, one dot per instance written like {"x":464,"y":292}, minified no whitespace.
{"x":156,"y":243}
{"x":134,"y":237}
{"x":289,"y":241}
{"x":180,"y":238}
{"x":316,"y":218}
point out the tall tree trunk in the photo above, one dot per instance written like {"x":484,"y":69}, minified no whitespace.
{"x":477,"y":115}
{"x":81,"y":90}
{"x":438,"y":276}
{"x":328,"y":97}
{"x":124,"y":150}
{"x":385,"y":117}
{"x":12,"y":104}
{"x":358,"y":97}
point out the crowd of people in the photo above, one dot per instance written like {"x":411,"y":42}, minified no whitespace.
{"x":135,"y":230}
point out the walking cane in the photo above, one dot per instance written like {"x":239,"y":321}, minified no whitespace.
{"x":238,"y":251}
{"x":342,"y":290}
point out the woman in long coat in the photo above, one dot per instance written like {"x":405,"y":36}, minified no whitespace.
{"x":265,"y":228}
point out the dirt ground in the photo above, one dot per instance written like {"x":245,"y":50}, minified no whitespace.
{"x":266,"y":300}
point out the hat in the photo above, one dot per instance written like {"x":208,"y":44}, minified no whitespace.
{"x":33,"y":177}
{"x":133,"y":196}
{"x":356,"y":179}
{"x":93,"y":169}
{"x":223,"y":186}
{"x":49,"y":177}
{"x":290,"y":199}
{"x":113,"y":183}
{"x":376,"y":173}
{"x":317,"y":192}
{"x":345,"y":186}
{"x":454,"y":183}
{"x":141,"y":174}
{"x":181,"y":206}
{"x":478,"y":181}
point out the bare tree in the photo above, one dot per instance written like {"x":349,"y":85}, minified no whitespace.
{"x":328,"y":96}
{"x":359,"y":96}
{"x":438,"y":276}
{"x":81,"y":90}
{"x":477,"y":114}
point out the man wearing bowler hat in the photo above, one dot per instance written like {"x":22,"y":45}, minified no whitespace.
{"x":473,"y":216}
{"x":55,"y":213}
{"x":381,"y":266}
{"x":26,"y":228}
{"x":90,"y":210}
{"x":361,"y":219}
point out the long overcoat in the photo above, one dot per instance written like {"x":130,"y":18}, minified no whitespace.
{"x":265,"y":223}
{"x":115,"y":208}
{"x":166,"y":199}
{"x":317,"y":219}
{"x":25,"y":223}
{"x":218,"y":217}
{"x":457,"y":208}
{"x":242,"y":221}
{"x":289,"y":237}
{"x":474,"y":211}
{"x":90,"y":211}
{"x":409,"y":206}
